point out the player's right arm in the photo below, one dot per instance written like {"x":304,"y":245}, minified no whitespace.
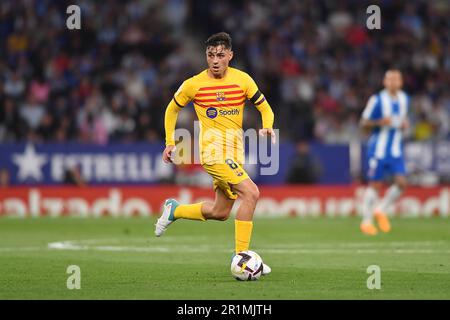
{"x":182,"y":97}
{"x":369,"y":124}
{"x":372,"y":117}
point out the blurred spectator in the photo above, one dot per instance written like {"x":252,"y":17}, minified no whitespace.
{"x":14,"y":85}
{"x":46,"y":127}
{"x":92,"y":129}
{"x":305,"y":168}
{"x":11,"y":125}
{"x":32,"y":112}
{"x":125,"y":128}
{"x":4,"y":178}
{"x":40,"y":89}
{"x":73,"y":176}
{"x":423,"y":129}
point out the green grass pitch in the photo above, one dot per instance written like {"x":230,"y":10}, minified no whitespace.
{"x":311,"y":258}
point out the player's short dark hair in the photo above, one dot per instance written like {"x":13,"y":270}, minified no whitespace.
{"x":219,"y":39}
{"x":394,"y":69}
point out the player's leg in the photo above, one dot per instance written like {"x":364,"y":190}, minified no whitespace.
{"x":248,"y":193}
{"x":219,"y":209}
{"x":370,"y":197}
{"x":234,"y":182}
{"x":173,"y":210}
{"x":392,"y":194}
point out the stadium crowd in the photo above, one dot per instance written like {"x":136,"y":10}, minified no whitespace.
{"x":316,"y":62}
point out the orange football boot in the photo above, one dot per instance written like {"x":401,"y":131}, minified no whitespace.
{"x":382,"y":221}
{"x":368,"y":228}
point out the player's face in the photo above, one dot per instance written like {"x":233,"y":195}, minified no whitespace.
{"x":218,"y":59}
{"x":393,"y":81}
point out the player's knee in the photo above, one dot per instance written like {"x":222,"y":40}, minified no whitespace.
{"x":256,"y":193}
{"x":252,"y":193}
{"x":376,"y":186}
{"x":402,"y":184}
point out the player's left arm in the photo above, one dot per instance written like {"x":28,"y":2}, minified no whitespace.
{"x":260,"y":102}
{"x":405,"y":123}
{"x":180,"y":99}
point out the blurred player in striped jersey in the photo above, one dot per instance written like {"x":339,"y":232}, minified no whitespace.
{"x":219,"y":94}
{"x":386,"y":116}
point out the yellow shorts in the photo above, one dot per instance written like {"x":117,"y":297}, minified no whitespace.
{"x":225,"y":175}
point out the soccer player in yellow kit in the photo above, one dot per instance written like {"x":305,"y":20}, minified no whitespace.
{"x":219,"y":94}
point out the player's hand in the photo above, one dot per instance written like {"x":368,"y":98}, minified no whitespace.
{"x":405,"y":124}
{"x":385,"y":122}
{"x":167,"y":154}
{"x":268,"y":132}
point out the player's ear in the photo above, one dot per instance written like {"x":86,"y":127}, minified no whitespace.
{"x":231,"y":55}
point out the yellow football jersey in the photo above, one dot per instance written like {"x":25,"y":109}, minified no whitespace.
{"x":219,"y":105}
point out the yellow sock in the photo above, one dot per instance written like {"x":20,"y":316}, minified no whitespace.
{"x":189,"y":211}
{"x":242,"y":234}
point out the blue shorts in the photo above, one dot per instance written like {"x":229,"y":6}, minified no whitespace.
{"x":379,"y":168}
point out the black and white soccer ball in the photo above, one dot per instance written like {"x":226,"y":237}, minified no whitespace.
{"x":246,"y":266}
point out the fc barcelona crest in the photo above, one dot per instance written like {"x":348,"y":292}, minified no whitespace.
{"x":220,"y":96}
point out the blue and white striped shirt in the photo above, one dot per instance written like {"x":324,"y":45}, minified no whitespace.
{"x":386,"y":142}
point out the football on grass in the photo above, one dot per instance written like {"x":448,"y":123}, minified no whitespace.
{"x":246,"y":266}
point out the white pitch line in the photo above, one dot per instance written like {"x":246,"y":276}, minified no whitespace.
{"x":354,"y":251}
{"x":158,"y":246}
{"x":68,"y":245}
{"x":73,"y":245}
{"x":359,"y":244}
{"x":15,"y":249}
{"x":177,"y":240}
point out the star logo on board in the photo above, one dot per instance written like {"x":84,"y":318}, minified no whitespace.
{"x":30,"y":164}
